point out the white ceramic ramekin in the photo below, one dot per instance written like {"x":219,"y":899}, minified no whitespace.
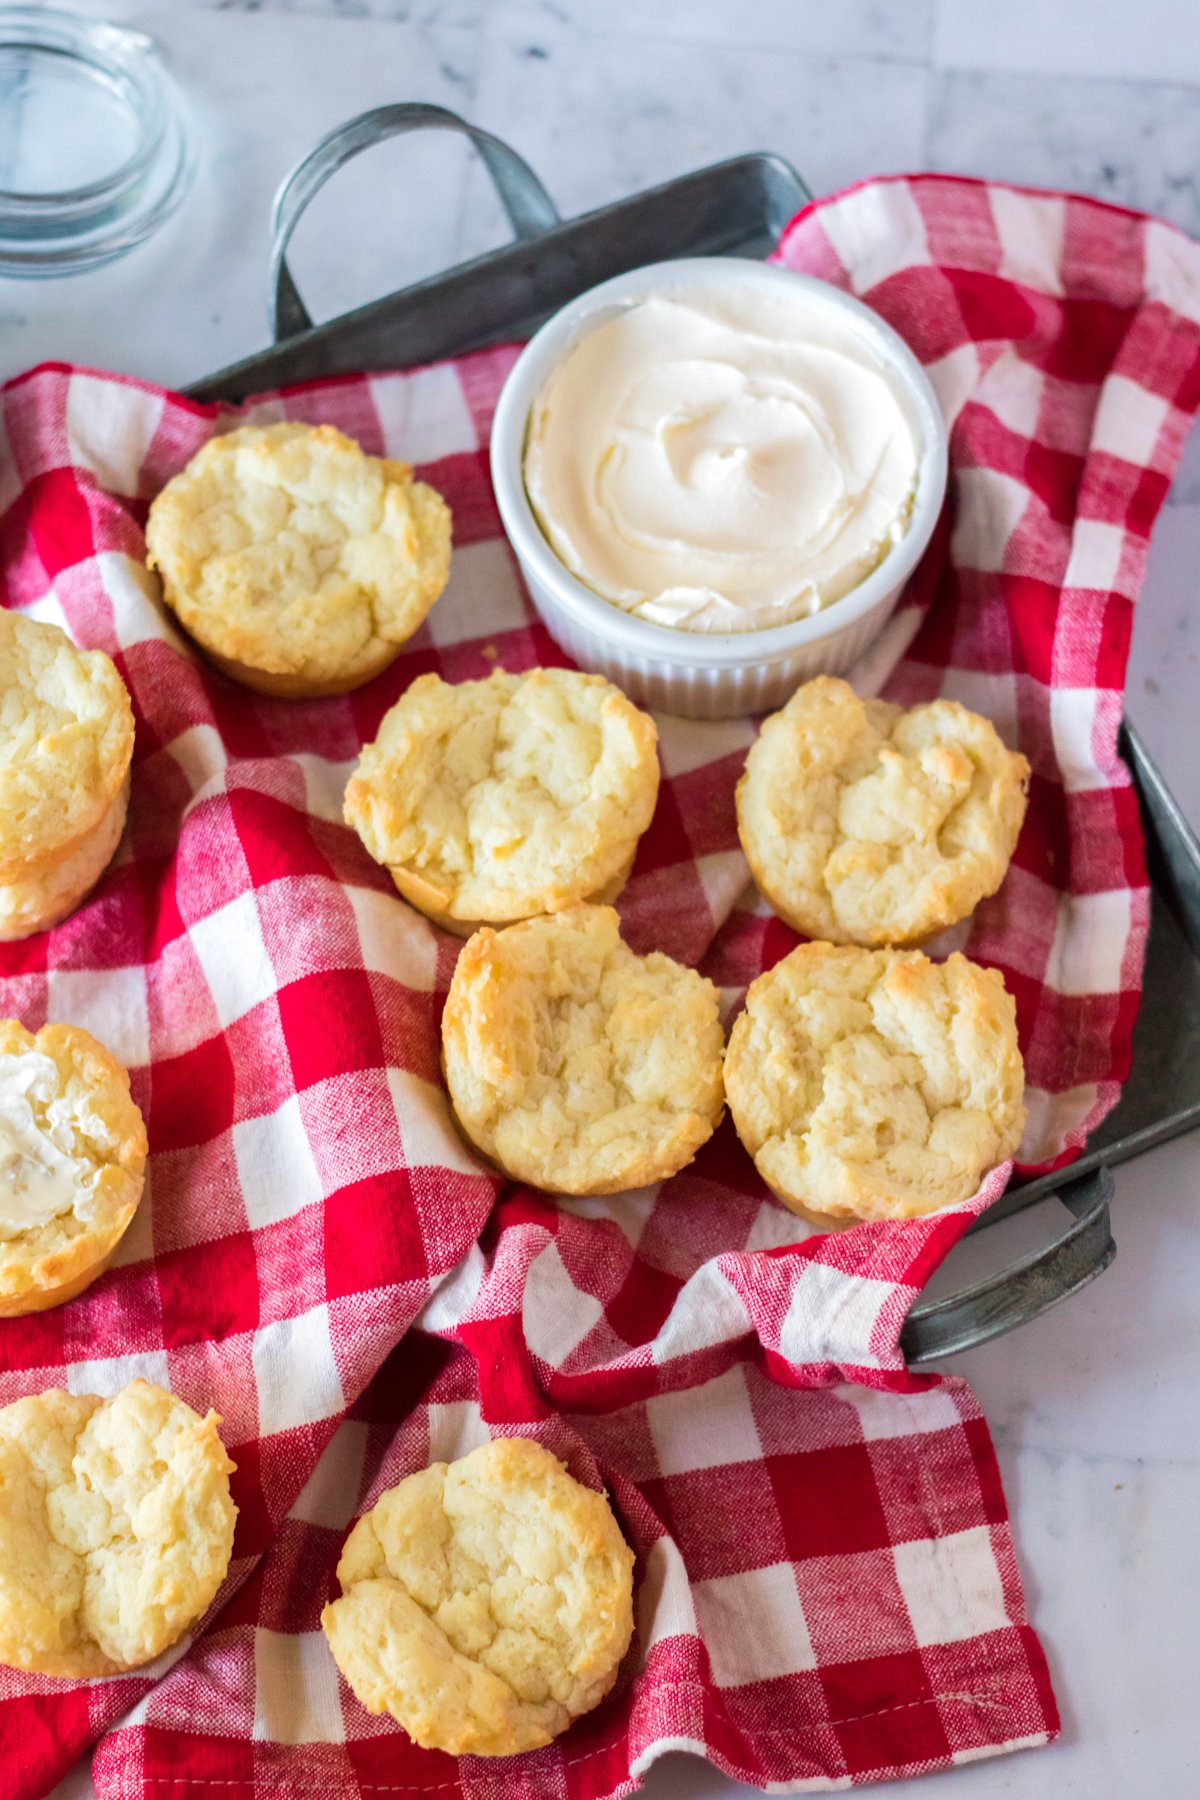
{"x":706,"y":676}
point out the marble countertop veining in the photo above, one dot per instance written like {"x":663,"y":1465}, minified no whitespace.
{"x":1093,"y":1407}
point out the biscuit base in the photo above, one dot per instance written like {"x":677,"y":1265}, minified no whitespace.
{"x":424,"y":897}
{"x":41,"y":900}
{"x":816,"y":930}
{"x":89,"y":1666}
{"x":41,"y":1299}
{"x":846,"y":1221}
{"x":291,"y":686}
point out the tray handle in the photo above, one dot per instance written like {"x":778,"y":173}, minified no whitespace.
{"x":528,"y":205}
{"x":1025,"y":1289}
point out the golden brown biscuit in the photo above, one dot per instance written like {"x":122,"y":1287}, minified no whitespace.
{"x":875,"y":1084}
{"x":495,"y":800}
{"x":66,"y":742}
{"x":575,"y":1064}
{"x":116,"y":1527}
{"x":72,"y":1163}
{"x":486,"y":1603}
{"x":867,"y":824}
{"x":298,"y":563}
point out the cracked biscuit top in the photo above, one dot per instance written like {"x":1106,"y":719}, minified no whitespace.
{"x":116,"y":1526}
{"x":575,"y":1064}
{"x":874,"y":1084}
{"x":285,"y":550}
{"x":486,"y":1603}
{"x":66,"y":741}
{"x":494,"y":800}
{"x":868,"y":824}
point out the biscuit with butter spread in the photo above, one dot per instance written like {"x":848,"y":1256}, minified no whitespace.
{"x":299,"y":563}
{"x":575,"y":1064}
{"x":72,"y":1163}
{"x":875,"y":1084}
{"x":867,"y":824}
{"x":66,"y":742}
{"x":494,"y":800}
{"x":116,"y":1528}
{"x":485,"y":1603}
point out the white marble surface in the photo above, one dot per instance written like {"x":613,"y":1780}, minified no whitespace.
{"x":1094,"y":1407}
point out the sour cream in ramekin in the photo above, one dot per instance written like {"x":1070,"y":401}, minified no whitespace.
{"x":801,"y":520}
{"x":721,"y":460}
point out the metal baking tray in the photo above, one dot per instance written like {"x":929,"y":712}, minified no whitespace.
{"x":739,"y":208}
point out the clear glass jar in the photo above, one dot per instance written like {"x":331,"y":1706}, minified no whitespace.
{"x":95,"y":146}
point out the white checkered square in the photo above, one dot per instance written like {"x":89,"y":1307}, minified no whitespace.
{"x":876,"y":232}
{"x":325,"y":786}
{"x":556,"y":1315}
{"x":832,"y":1316}
{"x":229,"y":944}
{"x":630,"y":1213}
{"x":137,"y":1245}
{"x":424,"y":416}
{"x":1073,"y":727}
{"x":773,"y":1227}
{"x":705,"y":1427}
{"x":1129,"y":421}
{"x":450,"y":1303}
{"x":110,"y":1003}
{"x":1095,"y":559}
{"x":1049,"y":1117}
{"x":330,"y":1495}
{"x":296,"y":1372}
{"x":1013,"y":389}
{"x":722,"y":876}
{"x":48,"y":608}
{"x":664,"y":1597}
{"x":456,"y":1427}
{"x":201,"y":755}
{"x":988,"y":508}
{"x":686,"y":744}
{"x":753,"y":1625}
{"x":426,"y":1129}
{"x":884,"y":1415}
{"x":277,"y":1172}
{"x":955,"y":378}
{"x":107,"y":1375}
{"x":1090,"y":941}
{"x":110,"y":427}
{"x":395,"y":939}
{"x":1171,"y":268}
{"x":1031,"y":229}
{"x":871,"y":670}
{"x":484,"y":597}
{"x":993,"y":695}
{"x":706,"y":1311}
{"x":951,"y":1586}
{"x":296,"y":1697}
{"x":138,"y":612}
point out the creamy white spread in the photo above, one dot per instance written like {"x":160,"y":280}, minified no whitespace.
{"x":721,"y":460}
{"x":42,"y":1176}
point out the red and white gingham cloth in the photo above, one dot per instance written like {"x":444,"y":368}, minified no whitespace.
{"x":827,"y":1590}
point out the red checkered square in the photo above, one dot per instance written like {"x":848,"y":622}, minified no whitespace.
{"x":856,"y":1607}
{"x":192,"y":1096}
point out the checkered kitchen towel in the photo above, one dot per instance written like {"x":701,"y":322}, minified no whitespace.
{"x":827,"y":1590}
